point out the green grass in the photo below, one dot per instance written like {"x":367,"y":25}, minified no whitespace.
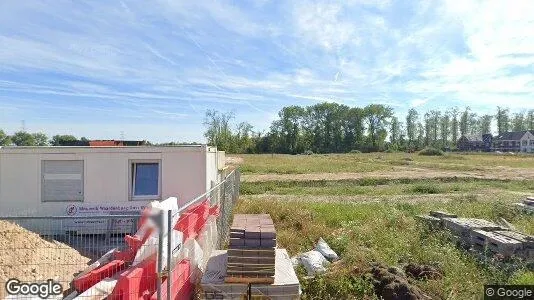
{"x":383,"y":186}
{"x":376,"y":221}
{"x":388,"y":233}
{"x":367,"y":162}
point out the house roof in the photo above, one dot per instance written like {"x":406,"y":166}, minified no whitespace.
{"x":512,"y":136}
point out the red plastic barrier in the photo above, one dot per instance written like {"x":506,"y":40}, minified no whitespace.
{"x":137,"y":282}
{"x":215,"y":210}
{"x":86,"y":281}
{"x":134,"y":243}
{"x":187,"y":225}
{"x":181,"y":287}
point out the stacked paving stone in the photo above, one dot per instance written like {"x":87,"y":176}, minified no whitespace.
{"x":483,"y":235}
{"x":527,"y":205}
{"x":251,"y":253}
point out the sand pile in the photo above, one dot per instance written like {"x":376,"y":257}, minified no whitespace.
{"x":28,"y":257}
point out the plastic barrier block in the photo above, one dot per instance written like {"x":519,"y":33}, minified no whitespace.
{"x":215,"y":210}
{"x":181,"y":287}
{"x":86,"y":281}
{"x":187,"y":225}
{"x":136,"y":282}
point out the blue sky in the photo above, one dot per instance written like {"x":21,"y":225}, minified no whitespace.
{"x":150,"y":69}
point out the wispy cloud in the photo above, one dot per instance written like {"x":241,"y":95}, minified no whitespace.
{"x":66,"y":64}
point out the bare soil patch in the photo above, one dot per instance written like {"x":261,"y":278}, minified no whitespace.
{"x":500,"y":173}
{"x":234,"y":160}
{"x":28,"y":257}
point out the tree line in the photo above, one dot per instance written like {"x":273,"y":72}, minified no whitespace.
{"x":338,"y":128}
{"x":23,"y":138}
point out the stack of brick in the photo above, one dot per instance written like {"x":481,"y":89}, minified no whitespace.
{"x":251,"y":253}
{"x":527,"y":205}
{"x":483,"y":235}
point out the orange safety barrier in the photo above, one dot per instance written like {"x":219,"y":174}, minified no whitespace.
{"x":181,"y":287}
{"x":86,"y":281}
{"x":137,"y":282}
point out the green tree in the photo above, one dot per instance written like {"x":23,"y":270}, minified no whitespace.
{"x":530,"y":119}
{"x":464,"y":122}
{"x":5,"y":140}
{"x":412,"y":119}
{"x":40,"y":139}
{"x":218,"y":132}
{"x":485,"y":124}
{"x":23,"y":138}
{"x":454,"y":112}
{"x":377,"y":117}
{"x":518,"y":122}
{"x":503,"y":120}
{"x":63,"y":140}
{"x":395,"y":132}
{"x":444,"y":129}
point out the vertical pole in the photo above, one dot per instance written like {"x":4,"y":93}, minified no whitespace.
{"x":160,"y":254}
{"x":224,"y":216}
{"x":169,"y":254}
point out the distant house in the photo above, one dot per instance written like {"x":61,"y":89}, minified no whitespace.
{"x":518,"y":141}
{"x":475,"y":143}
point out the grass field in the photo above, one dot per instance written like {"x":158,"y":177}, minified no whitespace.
{"x":365,"y":205}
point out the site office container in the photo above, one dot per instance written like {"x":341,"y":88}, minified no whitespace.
{"x":77,"y":181}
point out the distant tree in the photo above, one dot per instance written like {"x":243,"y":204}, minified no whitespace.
{"x":464,"y":122}
{"x":421,"y":136}
{"x":218,"y":131}
{"x":444,"y":129}
{"x":378,"y":117}
{"x":40,"y":139}
{"x":5,"y":140}
{"x":518,"y":122}
{"x":411,"y":127}
{"x":23,"y":138}
{"x":485,"y":124}
{"x":530,"y":119}
{"x":63,"y":140}
{"x":454,"y":112}
{"x":503,"y":120}
{"x":395,"y":132}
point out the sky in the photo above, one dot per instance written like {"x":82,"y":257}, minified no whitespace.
{"x":150,"y":69}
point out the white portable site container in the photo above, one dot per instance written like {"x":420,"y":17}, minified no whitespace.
{"x":77,"y":181}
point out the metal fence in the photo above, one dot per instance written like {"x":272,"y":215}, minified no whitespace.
{"x":115,"y":256}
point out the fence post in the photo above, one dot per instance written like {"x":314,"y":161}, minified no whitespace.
{"x":222,"y":236}
{"x":169,"y":253}
{"x":160,"y":254}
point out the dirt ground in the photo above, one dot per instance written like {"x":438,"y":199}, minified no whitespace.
{"x":28,"y":257}
{"x":502,"y":173}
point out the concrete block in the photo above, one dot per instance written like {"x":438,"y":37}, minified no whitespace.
{"x":442,"y":214}
{"x":495,"y":242}
{"x":462,"y":226}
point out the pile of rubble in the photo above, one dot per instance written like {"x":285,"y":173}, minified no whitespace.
{"x":30,"y":258}
{"x":527,"y":205}
{"x":484,"y":236}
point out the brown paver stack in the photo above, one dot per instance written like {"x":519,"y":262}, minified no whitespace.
{"x":251,"y":253}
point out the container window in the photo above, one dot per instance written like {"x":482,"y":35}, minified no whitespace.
{"x":62,"y":180}
{"x":145,"y":180}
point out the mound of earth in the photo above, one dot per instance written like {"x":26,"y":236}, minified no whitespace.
{"x":423,"y":272}
{"x":391,"y":284}
{"x":26,"y":256}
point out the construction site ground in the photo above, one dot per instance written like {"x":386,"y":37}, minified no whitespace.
{"x":365,"y":206}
